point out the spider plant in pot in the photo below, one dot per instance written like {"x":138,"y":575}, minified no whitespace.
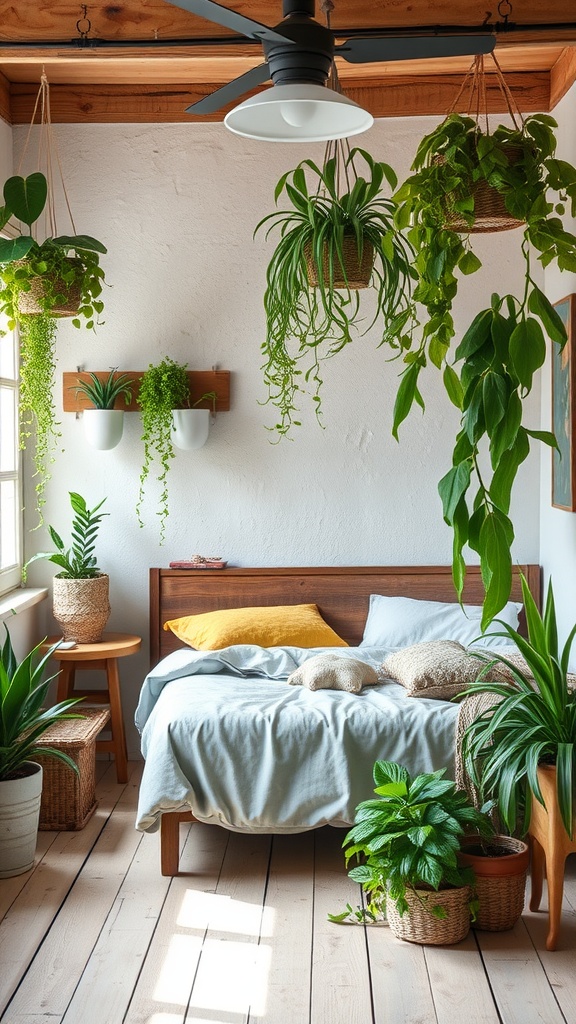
{"x":490,"y":373}
{"x":337,"y":237}
{"x":80,"y":601}
{"x":407,"y":840}
{"x":23,"y":720}
{"x":103,"y":423}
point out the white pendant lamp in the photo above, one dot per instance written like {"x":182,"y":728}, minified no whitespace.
{"x":298,"y":113}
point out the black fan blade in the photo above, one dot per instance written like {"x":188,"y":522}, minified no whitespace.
{"x":237,"y":87}
{"x":368,"y":49}
{"x":231,"y":19}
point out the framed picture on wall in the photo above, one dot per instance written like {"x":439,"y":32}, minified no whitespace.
{"x":564,"y":410}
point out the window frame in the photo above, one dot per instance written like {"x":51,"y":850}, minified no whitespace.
{"x":11,"y":576}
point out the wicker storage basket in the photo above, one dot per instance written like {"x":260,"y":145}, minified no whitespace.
{"x":490,"y":210}
{"x":81,"y":608}
{"x":500,"y":882}
{"x":419,"y":925}
{"x":30,"y":302}
{"x":68,"y":799}
{"x":358,"y":271}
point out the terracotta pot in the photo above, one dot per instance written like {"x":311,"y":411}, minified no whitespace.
{"x":500,"y":880}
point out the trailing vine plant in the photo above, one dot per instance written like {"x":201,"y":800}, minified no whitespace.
{"x":37,"y":409}
{"x":492,"y":369}
{"x":163,"y":387}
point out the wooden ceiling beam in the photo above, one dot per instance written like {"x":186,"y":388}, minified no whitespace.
{"x":5,"y":100}
{"x":396,"y":96}
{"x":562,"y":75}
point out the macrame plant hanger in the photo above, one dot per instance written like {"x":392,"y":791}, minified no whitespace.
{"x":489,"y":207}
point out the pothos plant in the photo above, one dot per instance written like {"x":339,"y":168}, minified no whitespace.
{"x":491,"y":371}
{"x":328,"y":206}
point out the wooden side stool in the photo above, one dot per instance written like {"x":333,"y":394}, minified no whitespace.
{"x":103,"y":655}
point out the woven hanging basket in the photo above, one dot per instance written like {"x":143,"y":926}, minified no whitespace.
{"x":81,"y":608}
{"x":500,"y":881}
{"x":490,"y":213}
{"x":358,"y":271}
{"x":417,"y":924}
{"x":30,"y":302}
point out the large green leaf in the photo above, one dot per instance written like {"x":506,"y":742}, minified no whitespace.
{"x":452,"y":487}
{"x":527,"y":350}
{"x":551,"y":319}
{"x":12,"y":249}
{"x":26,"y":197}
{"x":81,"y":242}
{"x":495,"y":556}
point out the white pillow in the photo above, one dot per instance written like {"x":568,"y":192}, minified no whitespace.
{"x":396,"y":622}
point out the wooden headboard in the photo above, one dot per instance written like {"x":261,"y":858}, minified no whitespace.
{"x":341,"y":593}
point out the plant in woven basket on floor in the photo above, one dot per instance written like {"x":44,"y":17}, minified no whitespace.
{"x":23,"y":720}
{"x":80,"y":601}
{"x":460,"y":170}
{"x":408,"y":839}
{"x":337,"y":236}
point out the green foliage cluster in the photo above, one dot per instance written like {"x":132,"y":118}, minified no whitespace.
{"x":37,"y":409}
{"x":103,"y":393}
{"x":534,"y":722}
{"x":79,"y":561}
{"x":163,"y":387}
{"x":304,"y":324}
{"x":23,"y":719}
{"x":63,"y":263}
{"x":494,"y":365}
{"x":408,"y":838}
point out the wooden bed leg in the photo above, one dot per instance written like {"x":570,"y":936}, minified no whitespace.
{"x":170,"y":840}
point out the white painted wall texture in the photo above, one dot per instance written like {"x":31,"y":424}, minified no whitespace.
{"x":177,"y":206}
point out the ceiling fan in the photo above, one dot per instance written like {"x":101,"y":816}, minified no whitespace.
{"x":299,"y":53}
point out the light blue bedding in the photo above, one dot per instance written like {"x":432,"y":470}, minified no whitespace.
{"x":225,"y":736}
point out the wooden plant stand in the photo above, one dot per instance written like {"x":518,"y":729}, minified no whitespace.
{"x":551,"y":844}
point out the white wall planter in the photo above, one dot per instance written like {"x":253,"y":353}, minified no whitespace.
{"x":190,"y":428}
{"x":103,"y":427}
{"x":19,"y":817}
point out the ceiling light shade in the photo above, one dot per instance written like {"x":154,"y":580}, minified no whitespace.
{"x":298,"y":113}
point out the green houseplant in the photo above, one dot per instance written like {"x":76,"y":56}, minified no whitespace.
{"x":408,"y":839}
{"x":37,"y":339}
{"x":80,"y":601}
{"x":103,"y":423}
{"x":491,"y":371}
{"x":23,"y":720}
{"x":312,"y":302}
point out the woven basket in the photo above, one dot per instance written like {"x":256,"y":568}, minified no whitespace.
{"x":81,"y":608}
{"x":30,"y":302}
{"x":69,"y":799}
{"x":500,"y":882}
{"x":417,"y":924}
{"x":490,"y":213}
{"x":358,"y":271}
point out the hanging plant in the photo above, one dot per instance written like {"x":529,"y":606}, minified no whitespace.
{"x":163,"y":387}
{"x":492,"y":369}
{"x":312,"y":299}
{"x":37,"y":410}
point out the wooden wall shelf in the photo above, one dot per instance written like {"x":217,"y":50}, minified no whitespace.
{"x":201,"y":381}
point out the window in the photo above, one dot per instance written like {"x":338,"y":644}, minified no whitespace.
{"x":10,"y":466}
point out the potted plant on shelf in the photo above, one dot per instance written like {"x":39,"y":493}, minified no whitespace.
{"x":103,"y":424}
{"x":408,"y":838}
{"x":164,"y":388}
{"x":337,"y":236}
{"x":23,"y":720}
{"x":522,"y":750}
{"x":80,"y":602}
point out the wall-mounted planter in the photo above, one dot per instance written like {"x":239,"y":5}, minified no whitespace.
{"x":103,"y":427}
{"x":190,"y":428}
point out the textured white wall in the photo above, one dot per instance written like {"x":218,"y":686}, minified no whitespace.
{"x":177,"y":205}
{"x":558,"y":528}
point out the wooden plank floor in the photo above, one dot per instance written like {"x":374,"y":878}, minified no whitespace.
{"x":95,"y":935}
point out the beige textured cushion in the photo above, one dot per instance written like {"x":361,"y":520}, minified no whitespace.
{"x":439,"y":669}
{"x":332,"y":672}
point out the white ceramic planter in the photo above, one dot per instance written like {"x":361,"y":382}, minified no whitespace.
{"x":190,"y":428}
{"x":103,"y":427}
{"x":19,"y":817}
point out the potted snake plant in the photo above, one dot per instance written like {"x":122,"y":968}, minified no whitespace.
{"x":103,"y":423}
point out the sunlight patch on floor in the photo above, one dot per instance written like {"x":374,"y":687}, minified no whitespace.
{"x":176,"y":973}
{"x":224,"y":914}
{"x":232,"y":977}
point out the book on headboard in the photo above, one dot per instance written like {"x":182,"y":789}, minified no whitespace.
{"x":198,"y":562}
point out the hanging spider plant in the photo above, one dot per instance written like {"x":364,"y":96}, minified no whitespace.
{"x":313,"y":299}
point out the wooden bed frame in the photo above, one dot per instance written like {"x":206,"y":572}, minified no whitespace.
{"x":341,"y":593}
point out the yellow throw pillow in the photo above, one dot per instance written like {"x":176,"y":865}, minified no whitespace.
{"x":291,"y":625}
